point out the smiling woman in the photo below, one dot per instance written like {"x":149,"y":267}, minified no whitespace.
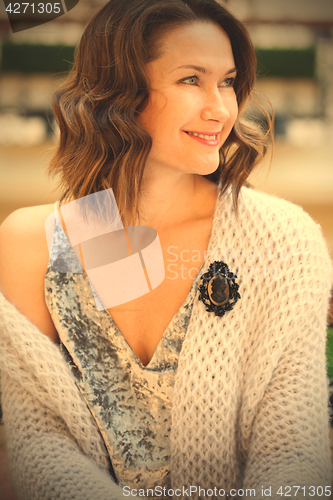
{"x":186,"y":111}
{"x":213,"y":383}
{"x":166,"y":44}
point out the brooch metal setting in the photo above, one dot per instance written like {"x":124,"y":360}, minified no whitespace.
{"x":219,"y":290}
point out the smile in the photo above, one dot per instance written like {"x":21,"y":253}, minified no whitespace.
{"x":203,"y":136}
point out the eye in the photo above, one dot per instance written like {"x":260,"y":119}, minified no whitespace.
{"x":192,"y":80}
{"x":229,"y":82}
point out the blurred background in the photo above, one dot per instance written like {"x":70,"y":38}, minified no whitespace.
{"x":294,"y":44}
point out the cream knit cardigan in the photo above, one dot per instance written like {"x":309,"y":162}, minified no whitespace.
{"x":250,"y":398}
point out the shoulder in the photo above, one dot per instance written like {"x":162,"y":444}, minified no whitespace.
{"x":268,"y":218}
{"x":23,"y":238}
{"x":267,"y":207}
{"x":286,"y":229}
{"x":278,"y":219}
{"x":273,"y":230}
{"x":23,"y":262}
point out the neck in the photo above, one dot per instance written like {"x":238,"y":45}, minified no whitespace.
{"x":169,"y":200}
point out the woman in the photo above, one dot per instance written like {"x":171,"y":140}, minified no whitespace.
{"x":214,"y":382}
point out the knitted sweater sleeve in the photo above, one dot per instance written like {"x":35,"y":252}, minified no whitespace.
{"x":288,"y":450}
{"x":45,"y":460}
{"x":53,"y":445}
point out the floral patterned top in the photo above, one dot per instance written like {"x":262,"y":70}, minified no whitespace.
{"x":131,"y":403}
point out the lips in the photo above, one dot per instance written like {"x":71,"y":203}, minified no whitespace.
{"x":208,"y":136}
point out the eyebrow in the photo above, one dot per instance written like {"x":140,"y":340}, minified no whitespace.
{"x":201,"y":69}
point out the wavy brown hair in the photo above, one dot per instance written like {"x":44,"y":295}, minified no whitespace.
{"x":102,"y":145}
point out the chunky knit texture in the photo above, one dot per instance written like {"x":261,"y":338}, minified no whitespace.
{"x":250,"y":399}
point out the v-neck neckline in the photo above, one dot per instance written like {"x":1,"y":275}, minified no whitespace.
{"x":108,"y":318}
{"x":150,"y":365}
{"x":207,"y":252}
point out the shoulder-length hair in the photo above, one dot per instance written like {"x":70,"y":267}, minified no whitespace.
{"x":102,"y":145}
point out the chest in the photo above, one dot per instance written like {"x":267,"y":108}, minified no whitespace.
{"x":143,"y":321}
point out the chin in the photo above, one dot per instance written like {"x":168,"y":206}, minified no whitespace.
{"x":208,"y":169}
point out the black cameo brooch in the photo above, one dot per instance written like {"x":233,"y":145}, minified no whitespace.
{"x":219,"y":290}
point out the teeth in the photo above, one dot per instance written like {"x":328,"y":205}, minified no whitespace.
{"x":206,"y":137}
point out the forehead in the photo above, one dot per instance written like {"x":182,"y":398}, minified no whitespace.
{"x":198,"y":43}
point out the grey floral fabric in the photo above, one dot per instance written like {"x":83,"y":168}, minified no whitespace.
{"x":131,"y":403}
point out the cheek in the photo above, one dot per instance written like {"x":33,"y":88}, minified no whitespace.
{"x":154,"y":113}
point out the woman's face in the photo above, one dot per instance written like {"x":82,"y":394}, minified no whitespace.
{"x":192,"y":105}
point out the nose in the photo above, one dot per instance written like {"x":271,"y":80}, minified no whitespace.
{"x":216,"y":107}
